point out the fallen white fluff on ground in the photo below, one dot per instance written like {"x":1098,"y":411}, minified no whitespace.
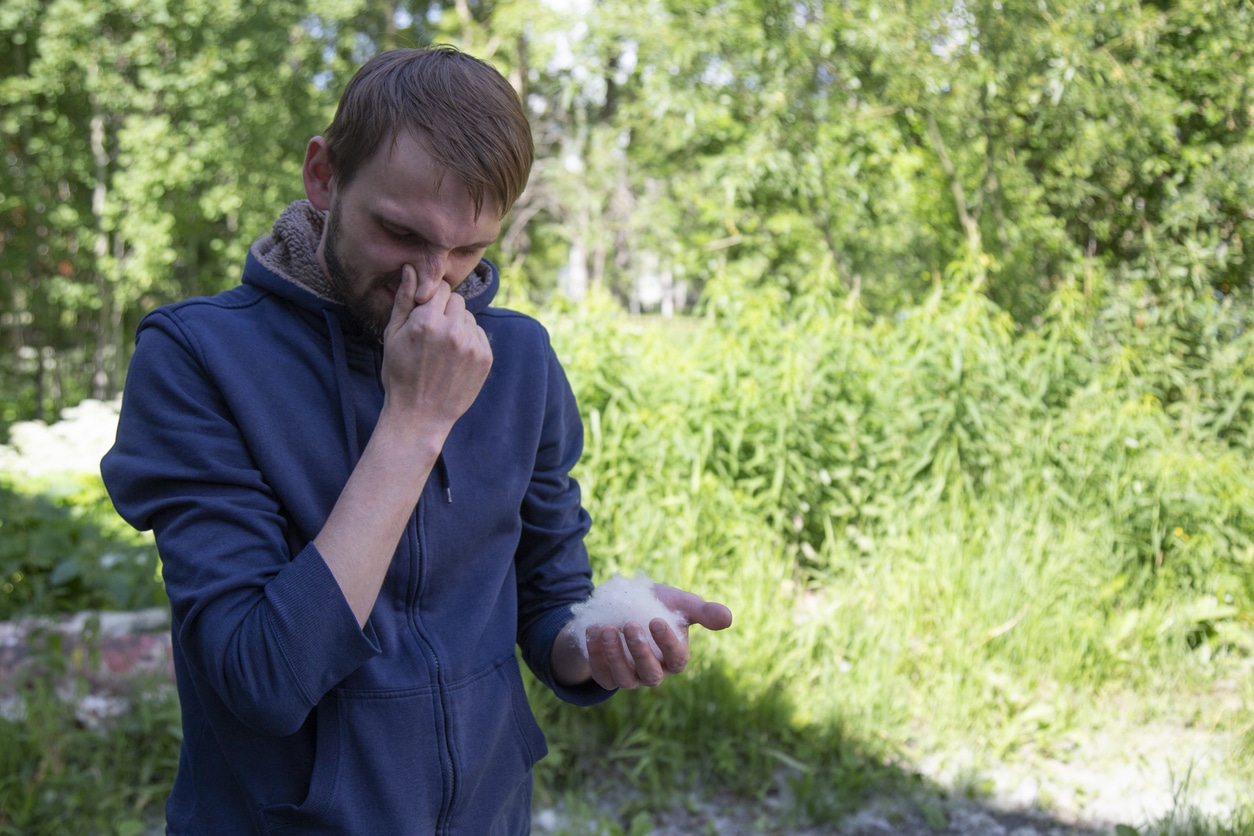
{"x":619,"y":601}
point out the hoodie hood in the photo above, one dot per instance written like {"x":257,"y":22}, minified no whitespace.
{"x":285,"y":262}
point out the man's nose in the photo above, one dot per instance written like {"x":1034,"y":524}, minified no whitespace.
{"x":431,"y":269}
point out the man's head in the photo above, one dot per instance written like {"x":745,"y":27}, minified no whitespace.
{"x":428,"y":151}
{"x":460,"y":109}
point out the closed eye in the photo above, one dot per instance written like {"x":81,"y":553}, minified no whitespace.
{"x":403,"y":235}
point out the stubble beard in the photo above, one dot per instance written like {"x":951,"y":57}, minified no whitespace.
{"x":348,"y":288}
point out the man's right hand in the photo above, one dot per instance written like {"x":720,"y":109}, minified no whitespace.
{"x":435,"y":360}
{"x":435,"y":356}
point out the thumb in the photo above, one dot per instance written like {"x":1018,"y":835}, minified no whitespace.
{"x":709,"y":614}
{"x":713,"y":616}
{"x":403,"y":303}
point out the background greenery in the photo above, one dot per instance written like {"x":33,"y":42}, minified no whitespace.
{"x":951,"y":400}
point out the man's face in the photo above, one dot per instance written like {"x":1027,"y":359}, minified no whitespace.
{"x":396,"y":211}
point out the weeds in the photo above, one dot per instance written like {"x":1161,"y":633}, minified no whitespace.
{"x":60,"y":778}
{"x":930,"y":531}
{"x":63,"y":549}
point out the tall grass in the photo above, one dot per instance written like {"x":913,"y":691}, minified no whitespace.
{"x":933,"y":529}
{"x":938,"y":532}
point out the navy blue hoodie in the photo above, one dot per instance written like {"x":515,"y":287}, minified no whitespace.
{"x":243,"y":416}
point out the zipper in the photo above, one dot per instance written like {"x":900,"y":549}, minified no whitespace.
{"x":446,"y":807}
{"x":415,"y":590}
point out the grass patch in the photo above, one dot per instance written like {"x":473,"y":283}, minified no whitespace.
{"x":938,"y":535}
{"x":59,"y":777}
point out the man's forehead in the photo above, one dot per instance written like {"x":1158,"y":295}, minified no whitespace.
{"x":405,"y":161}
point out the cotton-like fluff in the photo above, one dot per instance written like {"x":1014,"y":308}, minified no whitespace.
{"x":619,"y":601}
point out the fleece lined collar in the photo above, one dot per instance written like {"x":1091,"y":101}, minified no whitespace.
{"x":290,"y":251}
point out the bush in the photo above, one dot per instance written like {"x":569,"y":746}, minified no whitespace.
{"x":63,"y":549}
{"x":936,"y":523}
{"x":58,"y":778}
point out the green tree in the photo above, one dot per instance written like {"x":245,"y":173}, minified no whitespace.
{"x":863,"y":150}
{"x":146,"y":141}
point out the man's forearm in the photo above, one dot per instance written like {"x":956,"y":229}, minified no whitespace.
{"x":360,"y":535}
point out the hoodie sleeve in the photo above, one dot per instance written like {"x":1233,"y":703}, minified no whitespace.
{"x":264,"y":624}
{"x":552,"y":562}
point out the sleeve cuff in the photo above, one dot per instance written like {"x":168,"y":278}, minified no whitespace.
{"x":545,"y":633}
{"x":316,"y":628}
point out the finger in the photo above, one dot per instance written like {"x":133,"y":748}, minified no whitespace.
{"x":695,"y":609}
{"x":598,"y":660}
{"x":622,"y":670}
{"x":480,"y":338}
{"x":648,"y":669}
{"x":438,"y":299}
{"x":403,"y":302}
{"x":674,"y":649}
{"x":714,"y":616}
{"x":454,"y":303}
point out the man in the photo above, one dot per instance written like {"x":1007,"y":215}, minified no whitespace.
{"x":358,"y":476}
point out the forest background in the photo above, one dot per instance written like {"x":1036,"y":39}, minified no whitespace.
{"x":918,"y":332}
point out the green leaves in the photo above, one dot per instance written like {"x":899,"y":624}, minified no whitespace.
{"x":932,"y":526}
{"x":126,"y":124}
{"x":870,"y":150}
{"x":63,"y":549}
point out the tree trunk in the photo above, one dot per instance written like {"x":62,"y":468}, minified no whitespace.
{"x":389,"y":24}
{"x":468,"y":23}
{"x":970,"y":224}
{"x":102,"y":380}
{"x":518,"y":76}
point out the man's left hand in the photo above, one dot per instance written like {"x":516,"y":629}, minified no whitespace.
{"x":637,"y":666}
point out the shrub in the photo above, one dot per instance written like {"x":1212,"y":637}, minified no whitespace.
{"x":63,"y":549}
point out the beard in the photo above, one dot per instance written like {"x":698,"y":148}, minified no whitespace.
{"x":352,"y":289}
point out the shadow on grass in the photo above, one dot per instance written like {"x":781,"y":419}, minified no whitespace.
{"x":704,"y":754}
{"x":701,"y":755}
{"x":61,"y":774}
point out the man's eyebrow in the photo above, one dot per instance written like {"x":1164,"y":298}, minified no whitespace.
{"x":406,"y":229}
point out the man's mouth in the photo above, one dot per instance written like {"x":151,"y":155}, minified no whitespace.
{"x":388,"y":288}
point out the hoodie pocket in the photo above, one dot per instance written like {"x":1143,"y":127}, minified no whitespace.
{"x":497,"y":743}
{"x":377,"y":768}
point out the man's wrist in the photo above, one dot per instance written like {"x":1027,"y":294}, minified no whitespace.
{"x":569,"y":664}
{"x":409,"y":437}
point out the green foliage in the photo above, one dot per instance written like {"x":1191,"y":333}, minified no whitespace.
{"x":961,"y":429}
{"x":140,"y":142}
{"x":865,"y":147}
{"x":58,"y":778}
{"x":934,"y":530}
{"x":63,"y":549}
{"x":1184,"y":820}
{"x":928,"y":520}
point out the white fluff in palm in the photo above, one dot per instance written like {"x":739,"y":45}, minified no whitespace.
{"x":619,"y":601}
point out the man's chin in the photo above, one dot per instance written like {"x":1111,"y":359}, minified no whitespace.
{"x":370,"y":316}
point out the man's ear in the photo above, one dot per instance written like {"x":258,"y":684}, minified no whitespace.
{"x":318,"y":173}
